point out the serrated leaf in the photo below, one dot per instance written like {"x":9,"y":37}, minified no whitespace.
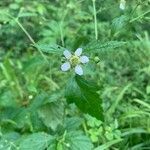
{"x":8,"y":139}
{"x":73,"y":123}
{"x":36,"y":141}
{"x":52,"y":114}
{"x":119,"y":24}
{"x":76,"y":140}
{"x":51,"y":48}
{"x":84,"y":95}
{"x":97,"y":46}
{"x":37,"y":102}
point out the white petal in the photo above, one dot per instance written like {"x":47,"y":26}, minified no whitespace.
{"x":66,"y":66}
{"x":122,"y":6}
{"x":67,"y":54}
{"x":78,"y":52}
{"x":84,"y":59}
{"x":78,"y":70}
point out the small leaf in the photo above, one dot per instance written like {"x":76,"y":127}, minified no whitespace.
{"x":84,"y":95}
{"x":120,"y":24}
{"x":51,"y":48}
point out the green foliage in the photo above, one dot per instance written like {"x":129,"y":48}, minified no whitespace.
{"x":52,"y":114}
{"x":83,"y":94}
{"x":108,"y":145}
{"x":39,"y":141}
{"x":79,"y":141}
{"x":43,"y":108}
{"x":50,"y":48}
{"x":97,"y":46}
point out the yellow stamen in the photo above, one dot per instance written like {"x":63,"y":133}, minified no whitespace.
{"x":74,"y":60}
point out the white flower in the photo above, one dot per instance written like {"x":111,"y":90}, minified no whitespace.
{"x":122,"y":4}
{"x":75,"y":60}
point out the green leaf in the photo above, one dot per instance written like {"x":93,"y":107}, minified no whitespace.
{"x":52,"y":114}
{"x":140,"y":146}
{"x":113,"y":107}
{"x":131,"y":131}
{"x":4,"y":17}
{"x":108,"y":144}
{"x":76,"y":140}
{"x":142,"y":103}
{"x":27,"y":14}
{"x":32,"y":64}
{"x":120,"y":24}
{"x":72,"y":140}
{"x":148,"y":89}
{"x":8,"y":139}
{"x":36,"y":141}
{"x":7,"y":99}
{"x":97,"y":46}
{"x":73,"y":123}
{"x":51,"y":48}
{"x":84,"y":95}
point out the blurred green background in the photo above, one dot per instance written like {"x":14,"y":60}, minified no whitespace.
{"x":34,"y":114}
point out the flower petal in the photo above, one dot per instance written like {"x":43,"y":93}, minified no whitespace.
{"x":67,"y":54}
{"x":84,"y":59}
{"x":122,"y":6}
{"x":66,"y":66}
{"x":78,"y":70}
{"x":78,"y":52}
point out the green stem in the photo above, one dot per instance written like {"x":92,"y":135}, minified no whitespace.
{"x":139,"y":16}
{"x":30,"y":38}
{"x":25,"y":31}
{"x":61,"y":34}
{"x":95,"y":20}
{"x":28,"y":35}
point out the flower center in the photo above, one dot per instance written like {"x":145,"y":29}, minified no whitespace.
{"x":74,"y":60}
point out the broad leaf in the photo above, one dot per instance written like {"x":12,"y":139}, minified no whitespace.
{"x":73,"y":123}
{"x":84,"y":95}
{"x":36,"y":141}
{"x":52,"y":114}
{"x":78,"y":141}
{"x":8,"y":139}
{"x":72,"y":140}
